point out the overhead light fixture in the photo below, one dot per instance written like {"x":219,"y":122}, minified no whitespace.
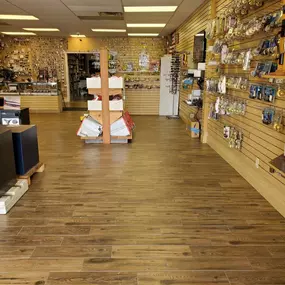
{"x":19,"y":33}
{"x":17,"y":17}
{"x":41,"y":29}
{"x":138,"y":9}
{"x":146,"y":25}
{"x":142,"y":35}
{"x":109,"y":30}
{"x":78,"y":36}
{"x":200,"y":35}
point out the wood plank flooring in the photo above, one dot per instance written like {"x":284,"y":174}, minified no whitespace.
{"x":164,"y":210}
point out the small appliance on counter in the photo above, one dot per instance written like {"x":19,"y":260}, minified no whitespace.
{"x":15,"y":117}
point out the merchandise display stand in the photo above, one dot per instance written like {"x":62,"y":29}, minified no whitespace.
{"x":106,"y":112}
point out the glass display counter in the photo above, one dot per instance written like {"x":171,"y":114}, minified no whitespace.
{"x":39,"y":97}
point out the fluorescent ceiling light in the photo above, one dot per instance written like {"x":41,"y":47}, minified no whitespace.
{"x":142,"y":35}
{"x":19,"y":33}
{"x":150,"y":8}
{"x":41,"y":29}
{"x":200,"y":35}
{"x":78,"y":36}
{"x":146,"y":25}
{"x":17,"y":17}
{"x":109,"y":30}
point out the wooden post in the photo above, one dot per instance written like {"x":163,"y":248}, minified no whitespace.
{"x":206,"y":103}
{"x":105,"y":96}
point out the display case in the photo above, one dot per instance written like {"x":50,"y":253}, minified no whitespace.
{"x":39,"y":97}
{"x":30,"y":88}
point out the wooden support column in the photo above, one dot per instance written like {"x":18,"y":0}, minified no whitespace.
{"x":105,"y":96}
{"x":206,"y":103}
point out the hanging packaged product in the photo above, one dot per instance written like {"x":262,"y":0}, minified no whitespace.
{"x":278,"y":121}
{"x":224,"y":53}
{"x":187,"y":83}
{"x":269,"y":94}
{"x":246,"y":60}
{"x":222,"y":85}
{"x":212,"y":85}
{"x":212,"y":112}
{"x":268,"y":116}
{"x":230,"y":106}
{"x":226,"y":132}
{"x":235,"y":139}
{"x":264,"y":68}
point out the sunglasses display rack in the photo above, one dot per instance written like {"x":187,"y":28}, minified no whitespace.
{"x":175,"y":73}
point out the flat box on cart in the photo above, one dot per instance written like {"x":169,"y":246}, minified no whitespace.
{"x":115,"y":105}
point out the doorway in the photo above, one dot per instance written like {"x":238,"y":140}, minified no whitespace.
{"x":80,"y":66}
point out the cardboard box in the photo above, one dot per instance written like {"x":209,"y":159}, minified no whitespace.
{"x":193,"y":130}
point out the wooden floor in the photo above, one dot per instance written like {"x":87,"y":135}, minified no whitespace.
{"x":164,"y":210}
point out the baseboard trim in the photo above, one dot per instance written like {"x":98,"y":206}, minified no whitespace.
{"x":272,"y":190}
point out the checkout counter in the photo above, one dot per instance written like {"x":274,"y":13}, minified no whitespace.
{"x":39,"y":97}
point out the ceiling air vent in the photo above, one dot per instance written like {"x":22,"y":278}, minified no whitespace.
{"x":104,"y":16}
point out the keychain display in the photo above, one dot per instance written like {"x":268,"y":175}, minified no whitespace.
{"x":268,"y":116}
{"x":228,"y":105}
{"x":239,"y":83}
{"x":234,"y":136}
{"x":222,"y":86}
{"x":239,"y":57}
{"x":212,"y":85}
{"x":232,"y":28}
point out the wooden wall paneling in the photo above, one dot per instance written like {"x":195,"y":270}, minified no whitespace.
{"x":260,"y":141}
{"x":195,"y":23}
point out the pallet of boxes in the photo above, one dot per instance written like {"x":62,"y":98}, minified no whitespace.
{"x":121,"y":124}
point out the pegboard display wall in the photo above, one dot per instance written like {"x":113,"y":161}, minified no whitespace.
{"x":29,"y":54}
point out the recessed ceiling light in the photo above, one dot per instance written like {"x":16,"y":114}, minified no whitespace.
{"x":146,"y":25}
{"x":17,"y":17}
{"x":150,"y":8}
{"x":142,"y":35}
{"x":19,"y":33}
{"x":78,"y":36}
{"x":41,"y":29}
{"x":109,"y":30}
